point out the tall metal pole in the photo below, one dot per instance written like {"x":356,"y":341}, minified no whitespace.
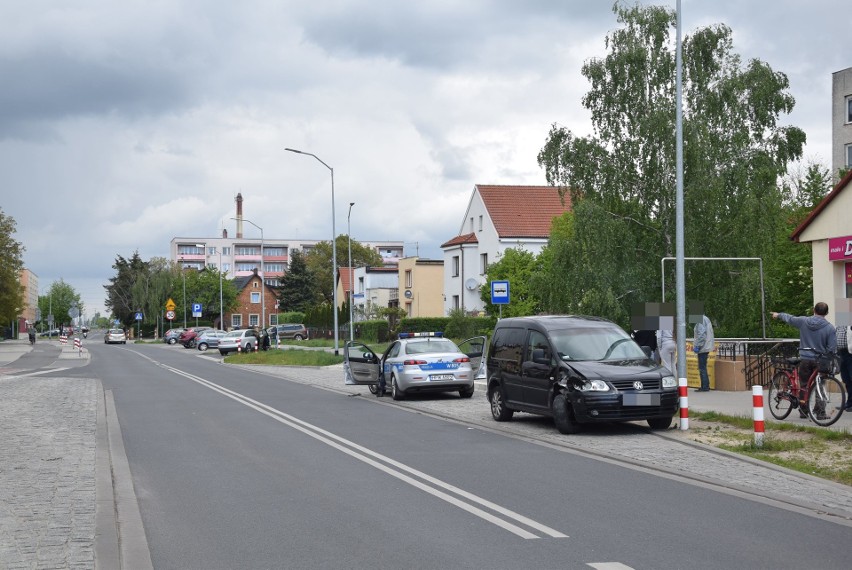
{"x":333,"y":248}
{"x":679,"y":243}
{"x":221,"y":308}
{"x":262,"y":277}
{"x":183,"y":274}
{"x":349,"y":235}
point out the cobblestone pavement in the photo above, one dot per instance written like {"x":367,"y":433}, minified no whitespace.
{"x":669,"y":452}
{"x":47,"y":472}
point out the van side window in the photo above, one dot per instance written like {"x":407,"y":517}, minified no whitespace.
{"x":538,"y":342}
{"x":508,"y":344}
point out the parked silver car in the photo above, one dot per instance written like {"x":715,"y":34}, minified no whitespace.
{"x":208,"y":339}
{"x":172,"y":336}
{"x":240,"y":340}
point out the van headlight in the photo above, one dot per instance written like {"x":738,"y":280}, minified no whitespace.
{"x":594,"y":386}
{"x":669,"y":382}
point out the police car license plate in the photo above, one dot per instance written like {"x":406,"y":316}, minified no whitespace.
{"x":441,"y":377}
{"x":641,"y":400}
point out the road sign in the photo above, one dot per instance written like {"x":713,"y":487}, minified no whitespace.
{"x":499,"y":292}
{"x":170,"y":305}
{"x":170,"y":315}
{"x":196,"y":310}
{"x":139,"y":316}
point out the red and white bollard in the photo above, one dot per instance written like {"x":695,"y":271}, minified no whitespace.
{"x":683,"y":390}
{"x":757,"y":402}
{"x":239,"y":348}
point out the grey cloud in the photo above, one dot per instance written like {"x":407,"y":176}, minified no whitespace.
{"x":46,"y":86}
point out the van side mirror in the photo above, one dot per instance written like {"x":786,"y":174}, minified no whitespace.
{"x":539,"y":357}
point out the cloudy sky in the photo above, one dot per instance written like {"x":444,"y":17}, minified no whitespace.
{"x":125,"y":124}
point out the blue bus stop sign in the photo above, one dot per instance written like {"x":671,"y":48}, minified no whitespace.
{"x":499,"y":292}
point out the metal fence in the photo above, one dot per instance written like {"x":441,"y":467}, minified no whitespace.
{"x":757,"y":355}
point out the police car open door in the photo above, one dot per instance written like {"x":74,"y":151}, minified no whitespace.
{"x":474,"y":348}
{"x":361,"y":365}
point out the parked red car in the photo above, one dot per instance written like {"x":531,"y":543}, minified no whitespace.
{"x":188,"y":337}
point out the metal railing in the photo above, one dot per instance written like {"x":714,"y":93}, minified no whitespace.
{"x":757,"y":355}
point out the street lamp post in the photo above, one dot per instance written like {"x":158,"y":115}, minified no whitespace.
{"x":262,"y":276}
{"x":351,"y":284}
{"x":183,"y":274}
{"x":333,"y":248}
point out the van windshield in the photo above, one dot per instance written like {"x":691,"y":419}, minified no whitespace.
{"x":595,"y":344}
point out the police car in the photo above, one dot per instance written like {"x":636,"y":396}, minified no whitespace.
{"x":415,"y":363}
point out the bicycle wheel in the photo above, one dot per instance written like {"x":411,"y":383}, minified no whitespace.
{"x":826,"y":400}
{"x":779,"y":399}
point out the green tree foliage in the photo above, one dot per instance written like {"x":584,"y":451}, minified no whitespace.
{"x":120,"y":291}
{"x":735,"y":152}
{"x":318,"y":261}
{"x":58,"y":301}
{"x":792,"y":290}
{"x":11,"y":264}
{"x":203,"y":287}
{"x":516,"y":266}
{"x":146,"y":286}
{"x":297,"y":291}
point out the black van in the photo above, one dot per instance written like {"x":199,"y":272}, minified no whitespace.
{"x":578,"y":370}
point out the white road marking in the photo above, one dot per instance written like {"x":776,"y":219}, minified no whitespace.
{"x":428,"y":484}
{"x":609,"y":566}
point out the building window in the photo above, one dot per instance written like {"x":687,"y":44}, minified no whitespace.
{"x":226,"y":267}
{"x":248,"y":250}
{"x":849,"y":109}
{"x":254,"y":320}
{"x":456,"y":302}
{"x":480,"y":223}
{"x":236,"y":321}
{"x":483,"y":263}
{"x":226,"y":251}
{"x":255,"y":297}
{"x":246,"y":266}
{"x":211,"y":251}
{"x":408,"y":310}
{"x":455,"y":266}
{"x":274,"y":267}
{"x":190,"y":250}
{"x":273,"y":319}
{"x":848,"y":155}
{"x":408,"y":278}
{"x":360,"y":284}
{"x":471,"y":225}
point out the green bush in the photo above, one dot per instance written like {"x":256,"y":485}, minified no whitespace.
{"x":372,"y":331}
{"x":293,"y":317}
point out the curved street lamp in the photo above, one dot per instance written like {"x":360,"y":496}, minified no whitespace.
{"x":333,"y":248}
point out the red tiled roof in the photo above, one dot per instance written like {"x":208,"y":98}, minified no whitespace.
{"x":461,"y":240}
{"x":841,"y":186}
{"x":523,"y":211}
{"x":347,"y":277}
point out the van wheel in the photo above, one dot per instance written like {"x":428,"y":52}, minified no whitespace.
{"x":466,"y":392}
{"x":660,"y":423}
{"x":499,"y":411}
{"x":562,"y":416}
{"x":396,"y":393}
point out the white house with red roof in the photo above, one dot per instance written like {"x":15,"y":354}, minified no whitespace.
{"x":497,"y":218}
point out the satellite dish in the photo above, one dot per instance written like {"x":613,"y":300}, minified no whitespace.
{"x":471,"y":284}
{"x":408,"y":294}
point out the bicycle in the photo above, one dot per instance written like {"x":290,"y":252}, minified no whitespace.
{"x":824,"y":395}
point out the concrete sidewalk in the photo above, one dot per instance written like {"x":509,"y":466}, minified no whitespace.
{"x":740,"y":404}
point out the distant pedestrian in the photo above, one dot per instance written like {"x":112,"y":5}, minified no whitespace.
{"x":31,"y":334}
{"x":667,"y":347}
{"x":265,"y":342}
{"x":703,"y":344}
{"x":845,"y":356}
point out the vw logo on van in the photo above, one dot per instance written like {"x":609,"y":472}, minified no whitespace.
{"x":637,"y":385}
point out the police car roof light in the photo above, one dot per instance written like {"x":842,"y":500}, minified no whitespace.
{"x":420,"y":334}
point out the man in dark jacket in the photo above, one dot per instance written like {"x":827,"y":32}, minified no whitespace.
{"x":816,"y":336}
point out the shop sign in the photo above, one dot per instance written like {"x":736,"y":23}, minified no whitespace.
{"x":840,"y":248}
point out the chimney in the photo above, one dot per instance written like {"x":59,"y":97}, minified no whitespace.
{"x":225,"y":233}
{"x":239,"y":216}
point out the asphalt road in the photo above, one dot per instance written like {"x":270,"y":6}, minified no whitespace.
{"x":235,"y":469}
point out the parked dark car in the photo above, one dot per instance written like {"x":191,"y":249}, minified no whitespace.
{"x":577,"y":370}
{"x":188,"y":337}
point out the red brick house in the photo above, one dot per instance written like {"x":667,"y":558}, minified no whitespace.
{"x":250,"y":295}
